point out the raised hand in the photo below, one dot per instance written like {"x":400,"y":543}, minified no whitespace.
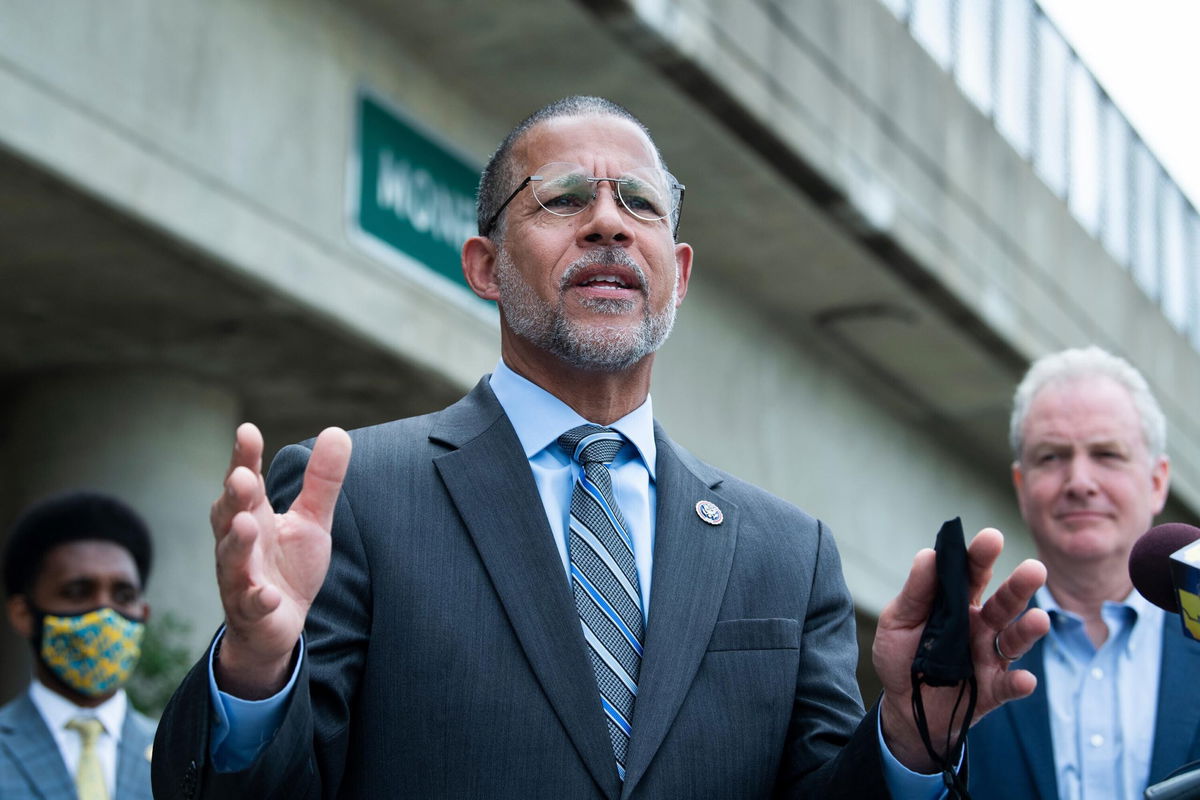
{"x":271,"y":566}
{"x":899,"y":633}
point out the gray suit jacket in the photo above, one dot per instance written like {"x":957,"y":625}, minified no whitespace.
{"x":445,"y":657}
{"x":1010,"y":750}
{"x":32,"y":767}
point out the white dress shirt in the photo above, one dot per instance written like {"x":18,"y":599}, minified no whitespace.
{"x":57,"y":711}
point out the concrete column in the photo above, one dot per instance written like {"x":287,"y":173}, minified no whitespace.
{"x":158,"y":440}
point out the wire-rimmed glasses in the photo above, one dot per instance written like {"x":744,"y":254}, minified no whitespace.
{"x":566,"y":189}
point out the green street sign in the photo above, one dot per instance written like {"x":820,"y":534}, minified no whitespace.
{"x":411,"y":198}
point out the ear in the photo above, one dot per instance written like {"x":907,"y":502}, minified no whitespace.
{"x":1160,"y":481}
{"x":683,"y":262}
{"x":20,"y":616}
{"x":479,"y":267}
{"x":1018,"y":479}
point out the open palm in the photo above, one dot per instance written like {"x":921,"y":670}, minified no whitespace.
{"x":271,"y":566}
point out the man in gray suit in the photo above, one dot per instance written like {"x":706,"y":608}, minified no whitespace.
{"x":535,"y":593}
{"x":74,"y":569}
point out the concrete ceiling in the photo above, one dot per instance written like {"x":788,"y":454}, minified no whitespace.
{"x":86,"y":288}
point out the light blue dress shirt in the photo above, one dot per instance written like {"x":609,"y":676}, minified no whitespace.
{"x":539,"y":418}
{"x":1103,"y":702}
{"x":243,"y":727}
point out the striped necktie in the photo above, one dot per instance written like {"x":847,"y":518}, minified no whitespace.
{"x":89,"y":778}
{"x":604,"y":580}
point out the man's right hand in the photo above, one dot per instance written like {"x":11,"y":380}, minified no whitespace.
{"x":271,"y":566}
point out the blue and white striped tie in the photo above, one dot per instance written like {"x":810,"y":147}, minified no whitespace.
{"x":604,"y":580}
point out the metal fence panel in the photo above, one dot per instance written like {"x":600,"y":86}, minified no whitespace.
{"x":1012,"y":62}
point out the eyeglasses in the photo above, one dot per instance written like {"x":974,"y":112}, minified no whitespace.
{"x":565,"y":189}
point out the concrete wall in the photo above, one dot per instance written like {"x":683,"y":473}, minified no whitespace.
{"x":224,"y":126}
{"x":743,"y":396}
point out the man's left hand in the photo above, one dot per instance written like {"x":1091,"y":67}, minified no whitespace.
{"x":899,"y":633}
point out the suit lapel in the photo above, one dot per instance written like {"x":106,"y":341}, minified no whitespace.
{"x":1030,"y":719}
{"x":1175,"y":730}
{"x":23,"y":733}
{"x":692,"y":560}
{"x":491,"y":485}
{"x":133,"y":759}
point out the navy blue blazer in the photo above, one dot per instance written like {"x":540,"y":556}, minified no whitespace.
{"x":445,"y":657}
{"x":1010,"y":751}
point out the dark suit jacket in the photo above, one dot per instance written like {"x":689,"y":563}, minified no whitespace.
{"x":32,"y":767}
{"x":1010,"y":750}
{"x":445,"y":657}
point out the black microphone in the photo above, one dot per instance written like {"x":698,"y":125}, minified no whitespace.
{"x":1164,"y":566}
{"x":1184,"y":784}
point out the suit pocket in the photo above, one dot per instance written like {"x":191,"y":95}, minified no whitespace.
{"x":755,"y":634}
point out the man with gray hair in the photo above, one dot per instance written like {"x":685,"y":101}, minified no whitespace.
{"x":1117,"y":706}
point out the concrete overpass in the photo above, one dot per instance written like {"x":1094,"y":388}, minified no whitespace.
{"x":876,"y":263}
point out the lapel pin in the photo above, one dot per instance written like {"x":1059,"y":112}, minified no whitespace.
{"x":708,"y":511}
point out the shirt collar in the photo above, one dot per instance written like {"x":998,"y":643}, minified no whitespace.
{"x":58,"y":710}
{"x":1138,"y":608}
{"x":1140,"y":605}
{"x":539,"y":417}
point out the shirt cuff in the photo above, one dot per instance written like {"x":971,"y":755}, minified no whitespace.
{"x":902,"y":782}
{"x":242,"y":728}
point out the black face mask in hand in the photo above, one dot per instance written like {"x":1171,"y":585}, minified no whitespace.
{"x":944,"y":653}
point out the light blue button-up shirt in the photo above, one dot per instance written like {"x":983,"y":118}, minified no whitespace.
{"x":539,"y":418}
{"x":1103,"y":702}
{"x":243,"y":727}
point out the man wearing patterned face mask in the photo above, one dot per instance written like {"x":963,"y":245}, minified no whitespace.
{"x":75,"y":566}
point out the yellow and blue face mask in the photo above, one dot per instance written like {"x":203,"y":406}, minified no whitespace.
{"x":93,"y":653}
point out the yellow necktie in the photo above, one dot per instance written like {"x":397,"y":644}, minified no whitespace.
{"x":89,"y":778}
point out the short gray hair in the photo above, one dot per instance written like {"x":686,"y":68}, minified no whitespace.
{"x":500,"y":177}
{"x":1086,"y":362}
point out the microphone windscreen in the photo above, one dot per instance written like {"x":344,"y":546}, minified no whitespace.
{"x":1150,"y":562}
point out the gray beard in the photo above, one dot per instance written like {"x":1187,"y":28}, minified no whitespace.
{"x":599,"y":347}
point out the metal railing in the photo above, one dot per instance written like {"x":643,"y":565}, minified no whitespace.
{"x":1015,"y":66}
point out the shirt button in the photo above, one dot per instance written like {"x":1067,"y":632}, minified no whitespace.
{"x":1097,"y":740}
{"x":1097,"y":673}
